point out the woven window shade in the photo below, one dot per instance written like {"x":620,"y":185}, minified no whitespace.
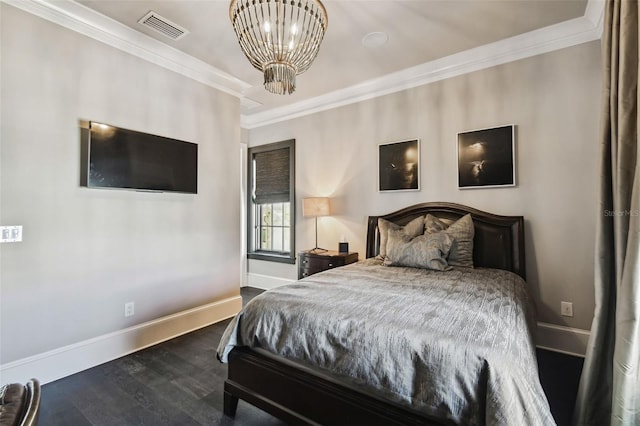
{"x":272,"y":176}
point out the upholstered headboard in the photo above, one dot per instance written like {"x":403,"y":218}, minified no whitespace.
{"x":498,"y":241}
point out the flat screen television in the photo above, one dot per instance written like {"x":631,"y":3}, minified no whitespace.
{"x":125,"y":159}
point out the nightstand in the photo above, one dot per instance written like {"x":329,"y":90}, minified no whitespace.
{"x":310,"y":263}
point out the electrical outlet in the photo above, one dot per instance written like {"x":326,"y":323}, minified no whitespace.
{"x":129,"y":309}
{"x":566,"y":309}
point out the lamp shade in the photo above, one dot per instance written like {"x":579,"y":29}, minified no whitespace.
{"x":315,"y":206}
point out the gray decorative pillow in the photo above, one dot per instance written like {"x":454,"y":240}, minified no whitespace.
{"x":462,"y":231}
{"x":423,"y":251}
{"x":434,"y":224}
{"x":411,"y":229}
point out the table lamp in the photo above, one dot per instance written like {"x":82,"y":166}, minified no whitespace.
{"x":316,"y":206}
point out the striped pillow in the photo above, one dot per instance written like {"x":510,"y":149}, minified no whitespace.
{"x":423,"y":251}
{"x":462,"y":231}
{"x":411,"y":229}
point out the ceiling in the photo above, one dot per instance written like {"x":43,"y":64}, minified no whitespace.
{"x":423,"y":37}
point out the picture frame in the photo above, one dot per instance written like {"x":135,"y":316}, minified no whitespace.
{"x":399,"y":166}
{"x":487,"y":158}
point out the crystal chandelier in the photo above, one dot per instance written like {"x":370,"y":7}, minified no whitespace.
{"x":281,"y":38}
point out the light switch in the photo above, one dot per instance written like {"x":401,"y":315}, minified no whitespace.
{"x":10,"y":234}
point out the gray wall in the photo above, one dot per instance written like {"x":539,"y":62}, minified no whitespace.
{"x":87,"y":251}
{"x":554,"y":99}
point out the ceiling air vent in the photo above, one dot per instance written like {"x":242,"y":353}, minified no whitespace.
{"x":163,"y":25}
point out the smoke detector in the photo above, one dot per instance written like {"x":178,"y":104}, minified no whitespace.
{"x":375,"y":39}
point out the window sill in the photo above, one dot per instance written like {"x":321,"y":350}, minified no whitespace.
{"x":280,"y":258}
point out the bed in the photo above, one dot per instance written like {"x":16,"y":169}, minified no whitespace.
{"x":366,"y":361}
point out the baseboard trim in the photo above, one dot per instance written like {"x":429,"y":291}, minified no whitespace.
{"x":566,"y":340}
{"x":62,"y":362}
{"x":266,"y":282}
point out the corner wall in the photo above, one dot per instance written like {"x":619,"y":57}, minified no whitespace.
{"x":553,"y":99}
{"x":85,"y":252}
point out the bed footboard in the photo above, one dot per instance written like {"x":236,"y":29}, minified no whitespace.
{"x":299,"y":395}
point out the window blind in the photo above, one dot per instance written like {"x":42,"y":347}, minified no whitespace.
{"x":272,"y":176}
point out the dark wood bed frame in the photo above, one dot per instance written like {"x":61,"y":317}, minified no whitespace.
{"x":301,"y":395}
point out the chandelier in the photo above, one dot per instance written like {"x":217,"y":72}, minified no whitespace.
{"x":281,"y":38}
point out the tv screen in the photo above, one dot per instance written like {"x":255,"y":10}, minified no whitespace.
{"x":126,"y":159}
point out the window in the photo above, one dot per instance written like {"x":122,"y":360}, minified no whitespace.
{"x":271,"y":203}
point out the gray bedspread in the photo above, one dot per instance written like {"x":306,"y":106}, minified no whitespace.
{"x":457,"y":345}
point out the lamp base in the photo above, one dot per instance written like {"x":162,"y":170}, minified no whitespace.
{"x":317,"y":250}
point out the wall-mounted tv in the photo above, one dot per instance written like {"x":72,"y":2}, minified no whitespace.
{"x":125,"y":159}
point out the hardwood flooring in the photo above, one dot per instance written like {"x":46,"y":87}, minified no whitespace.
{"x":560,"y":375}
{"x":180,"y":382}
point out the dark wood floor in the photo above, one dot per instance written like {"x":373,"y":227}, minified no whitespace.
{"x":180,"y":382}
{"x":560,"y":375}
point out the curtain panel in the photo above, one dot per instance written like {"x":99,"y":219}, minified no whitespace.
{"x":609,"y":391}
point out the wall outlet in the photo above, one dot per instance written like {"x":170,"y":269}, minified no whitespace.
{"x":129,"y":309}
{"x":566,"y":309}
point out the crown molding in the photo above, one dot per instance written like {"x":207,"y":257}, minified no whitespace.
{"x":247,"y":103}
{"x":86,"y":21}
{"x":595,"y":13}
{"x":544,"y":40}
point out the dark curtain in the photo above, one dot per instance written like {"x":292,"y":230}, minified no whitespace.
{"x":609,"y":392}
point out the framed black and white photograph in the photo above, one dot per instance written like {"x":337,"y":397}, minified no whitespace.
{"x":486,"y":158}
{"x":399,"y":166}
